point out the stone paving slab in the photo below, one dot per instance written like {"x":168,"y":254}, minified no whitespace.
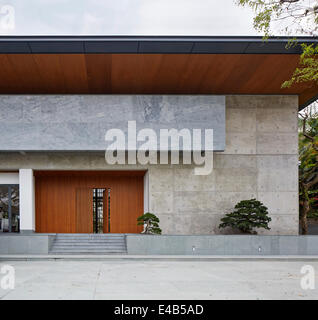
{"x":162,"y":280}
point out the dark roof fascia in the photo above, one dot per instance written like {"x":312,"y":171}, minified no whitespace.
{"x":151,"y":44}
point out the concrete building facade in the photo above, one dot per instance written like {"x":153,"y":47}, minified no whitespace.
{"x":59,"y":96}
{"x":259,"y":161}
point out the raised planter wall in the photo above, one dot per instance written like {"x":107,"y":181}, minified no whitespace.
{"x":138,"y":244}
{"x":25,"y":244}
{"x":221,"y":245}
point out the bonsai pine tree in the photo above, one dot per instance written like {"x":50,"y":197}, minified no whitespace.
{"x":248,"y":214}
{"x":150,"y":222}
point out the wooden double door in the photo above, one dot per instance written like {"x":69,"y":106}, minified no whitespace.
{"x":88,"y":202}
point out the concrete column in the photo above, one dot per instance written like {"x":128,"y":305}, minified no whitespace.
{"x":146,"y":192}
{"x":27,"y":201}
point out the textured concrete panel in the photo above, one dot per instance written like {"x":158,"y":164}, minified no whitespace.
{"x":280,"y":202}
{"x":79,"y":122}
{"x":229,"y":161}
{"x":285,"y":224}
{"x":166,"y":223}
{"x":277,"y":120}
{"x":235,"y":180}
{"x":240,"y":143}
{"x":161,"y":202}
{"x":185,"y":180}
{"x":240,"y":102}
{"x":213,"y":202}
{"x":272,"y":181}
{"x":226,"y":201}
{"x":240,"y":120}
{"x":261,"y":101}
{"x":160,"y":180}
{"x":277,"y":143}
{"x":279,"y":162}
{"x":193,"y":223}
{"x":199,"y":202}
{"x":277,"y":173}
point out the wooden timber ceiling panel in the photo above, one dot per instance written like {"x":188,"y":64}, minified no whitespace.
{"x":150,"y":74}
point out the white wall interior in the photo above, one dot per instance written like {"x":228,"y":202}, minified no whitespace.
{"x":9,"y":178}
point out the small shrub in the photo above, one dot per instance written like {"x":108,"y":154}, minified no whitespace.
{"x":150,"y":222}
{"x":249,"y":214}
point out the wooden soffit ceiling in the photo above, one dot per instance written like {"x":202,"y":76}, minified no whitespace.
{"x":223,"y":68}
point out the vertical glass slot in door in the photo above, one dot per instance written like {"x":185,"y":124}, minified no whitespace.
{"x":101,"y":210}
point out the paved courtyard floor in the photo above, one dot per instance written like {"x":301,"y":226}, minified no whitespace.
{"x":158,"y":280}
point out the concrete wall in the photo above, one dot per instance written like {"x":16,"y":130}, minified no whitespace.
{"x":25,"y":244}
{"x":260,"y":161}
{"x":221,"y":245}
{"x":179,"y":244}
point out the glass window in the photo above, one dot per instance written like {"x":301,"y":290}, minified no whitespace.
{"x":9,"y":208}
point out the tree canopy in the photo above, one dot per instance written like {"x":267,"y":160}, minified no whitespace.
{"x":291,"y":18}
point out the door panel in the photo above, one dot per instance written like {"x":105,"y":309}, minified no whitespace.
{"x":126,"y":205}
{"x":64,"y":200}
{"x":84,"y":210}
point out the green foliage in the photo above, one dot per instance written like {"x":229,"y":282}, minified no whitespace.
{"x":308,"y":167}
{"x":308,"y":66}
{"x":313,"y":214}
{"x":308,"y":150}
{"x":249,"y":214}
{"x":294,"y":17}
{"x":265,"y":11}
{"x":151,"y":223}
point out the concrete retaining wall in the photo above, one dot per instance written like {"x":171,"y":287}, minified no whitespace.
{"x":25,"y":244}
{"x":138,"y":244}
{"x":222,"y":245}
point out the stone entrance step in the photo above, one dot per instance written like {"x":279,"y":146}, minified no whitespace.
{"x":89,"y":244}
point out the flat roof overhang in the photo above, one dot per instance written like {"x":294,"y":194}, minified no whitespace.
{"x":150,"y":65}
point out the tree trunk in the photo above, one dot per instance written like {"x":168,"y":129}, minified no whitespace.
{"x":303,"y":218}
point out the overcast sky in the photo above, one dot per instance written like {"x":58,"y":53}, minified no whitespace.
{"x":129,"y":17}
